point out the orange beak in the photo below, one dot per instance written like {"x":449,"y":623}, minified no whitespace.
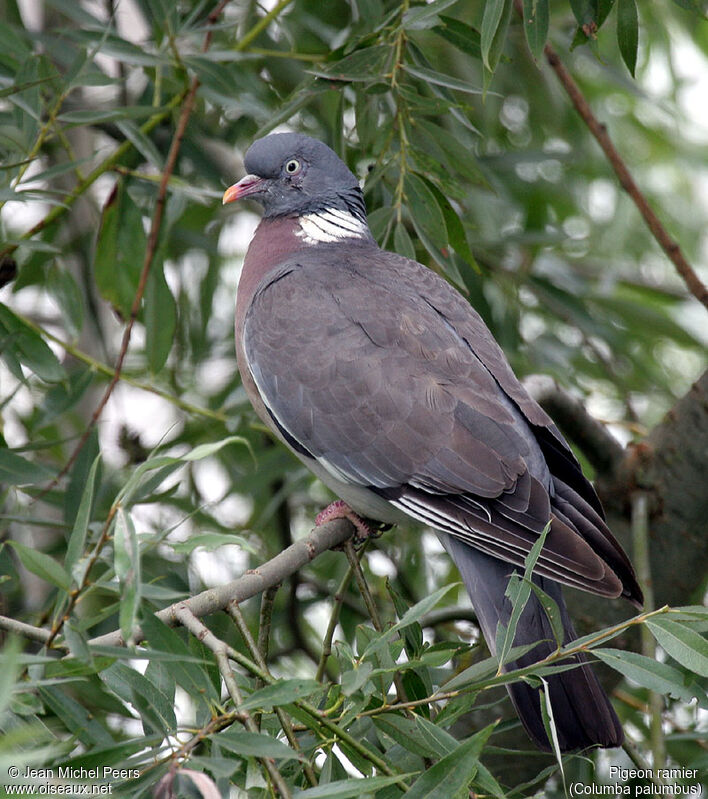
{"x":250,"y":184}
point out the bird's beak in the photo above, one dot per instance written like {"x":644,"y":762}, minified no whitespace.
{"x":250,"y":184}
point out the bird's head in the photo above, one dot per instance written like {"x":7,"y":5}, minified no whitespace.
{"x":290,"y":174}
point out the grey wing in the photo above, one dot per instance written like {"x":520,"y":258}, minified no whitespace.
{"x":373,"y":380}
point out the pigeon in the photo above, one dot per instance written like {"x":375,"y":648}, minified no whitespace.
{"x":387,"y":384}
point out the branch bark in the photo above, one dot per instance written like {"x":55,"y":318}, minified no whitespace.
{"x":253,"y":582}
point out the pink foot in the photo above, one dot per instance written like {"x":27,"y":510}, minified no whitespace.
{"x":340,"y":510}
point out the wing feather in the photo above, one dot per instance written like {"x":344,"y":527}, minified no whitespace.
{"x":381,"y":371}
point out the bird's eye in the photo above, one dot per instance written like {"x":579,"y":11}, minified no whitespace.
{"x":292,"y":167}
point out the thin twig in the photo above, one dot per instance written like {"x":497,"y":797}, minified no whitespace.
{"x":210,"y":728}
{"x":649,"y":769}
{"x":75,"y":593}
{"x":319,"y":717}
{"x":363,"y":586}
{"x":599,"y":131}
{"x":234,"y":611}
{"x":354,"y":563}
{"x":150,"y":251}
{"x":332,"y":625}
{"x":221,"y":650}
{"x":265,"y":618}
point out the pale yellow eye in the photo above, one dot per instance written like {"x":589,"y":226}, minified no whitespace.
{"x":292,"y":167}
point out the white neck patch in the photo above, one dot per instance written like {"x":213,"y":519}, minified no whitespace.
{"x":329,"y":225}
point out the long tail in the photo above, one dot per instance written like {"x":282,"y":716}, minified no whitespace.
{"x":582,"y":712}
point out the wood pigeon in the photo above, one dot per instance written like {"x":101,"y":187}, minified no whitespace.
{"x":387,"y":384}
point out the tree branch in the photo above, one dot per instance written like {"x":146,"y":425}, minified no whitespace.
{"x":602,"y":450}
{"x":599,"y":131}
{"x":150,"y":251}
{"x":253,"y":582}
{"x":28,"y":631}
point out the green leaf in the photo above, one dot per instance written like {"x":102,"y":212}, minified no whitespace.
{"x":130,"y":489}
{"x":210,"y":542}
{"x":160,"y":318}
{"x":495,"y":12}
{"x":127,"y":565}
{"x":411,"y":616}
{"x":90,"y":116}
{"x":478,"y":673}
{"x":519,"y":591}
{"x":17,"y":471}
{"x":423,"y":17}
{"x":425,"y":211}
{"x":379,"y":221}
{"x":65,"y":290}
{"x":77,"y":719}
{"x":439,"y":79}
{"x":207,"y":450}
{"x":120,"y":250}
{"x":43,"y":565}
{"x":585,"y":11}
{"x":154,"y":706}
{"x":536,"y":16}
{"x":142,"y":143}
{"x":8,"y":672}
{"x":353,"y":679}
{"x":651,"y":674}
{"x":489,"y":785}
{"x":115,"y":754}
{"x":346,"y":789}
{"x":413,"y":633}
{"x":252,"y":744}
{"x":454,"y":772}
{"x":407,"y":733}
{"x":362,"y":65}
{"x":438,"y":739}
{"x":697,"y":6}
{"x":300,"y":97}
{"x":552,"y":611}
{"x":550,"y":727}
{"x":455,"y":708}
{"x":461,"y":35}
{"x":77,"y":538}
{"x":25,"y":345}
{"x":684,"y":645}
{"x":628,"y":32}
{"x":283,"y":692}
{"x":178,"y":661}
{"x":455,"y":230}
{"x":64,"y":396}
{"x":402,"y":241}
{"x":78,"y":476}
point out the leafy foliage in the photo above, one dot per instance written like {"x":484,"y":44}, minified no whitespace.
{"x":475,"y":165}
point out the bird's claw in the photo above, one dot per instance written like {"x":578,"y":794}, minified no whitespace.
{"x":339,"y":509}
